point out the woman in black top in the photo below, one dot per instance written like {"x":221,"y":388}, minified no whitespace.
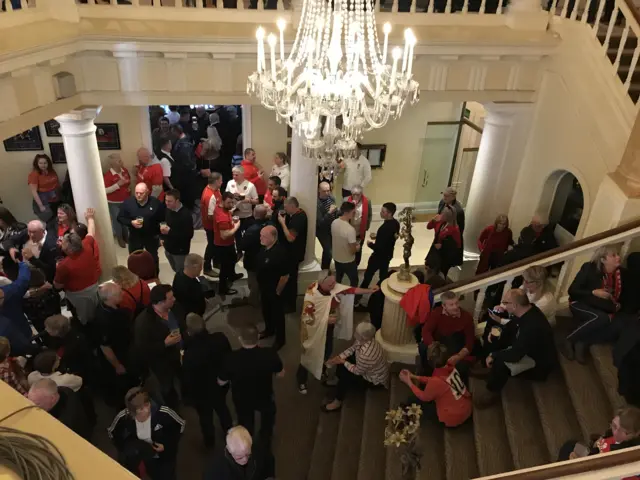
{"x":10,"y":229}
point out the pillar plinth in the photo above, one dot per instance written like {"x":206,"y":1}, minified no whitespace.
{"x":396,"y":336}
{"x":85,"y":172}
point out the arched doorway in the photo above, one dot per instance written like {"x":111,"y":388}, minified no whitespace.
{"x":563,"y":200}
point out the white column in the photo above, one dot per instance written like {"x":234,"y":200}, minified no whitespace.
{"x":501,"y":151}
{"x":527,"y":15}
{"x":85,"y":172}
{"x":304,"y":186}
{"x":246,"y":127}
{"x":145,"y":128}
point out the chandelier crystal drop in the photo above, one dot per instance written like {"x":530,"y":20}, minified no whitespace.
{"x":336,"y":82}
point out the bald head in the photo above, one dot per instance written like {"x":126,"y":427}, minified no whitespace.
{"x":44,"y":393}
{"x":144,"y":156}
{"x":142,"y":192}
{"x":268,"y":236}
{"x":324,"y":190}
{"x":36,"y":229}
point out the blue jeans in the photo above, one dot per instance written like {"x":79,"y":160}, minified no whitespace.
{"x":325,"y":240}
{"x":114,"y":209}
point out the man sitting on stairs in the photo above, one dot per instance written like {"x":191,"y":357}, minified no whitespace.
{"x":532,"y":354}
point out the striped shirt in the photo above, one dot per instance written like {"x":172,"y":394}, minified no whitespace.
{"x":326,"y":204}
{"x":371,"y":362}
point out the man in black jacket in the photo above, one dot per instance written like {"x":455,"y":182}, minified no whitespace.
{"x":327,"y":212}
{"x":449,"y":198}
{"x":63,"y":404}
{"x":294,"y":240}
{"x":184,"y":174}
{"x":204,"y":354}
{"x":189,"y":288}
{"x":38,"y":247}
{"x":532,"y":354}
{"x":177,"y":231}
{"x":157,"y":340}
{"x":382,"y":246}
{"x":250,"y":245}
{"x":540,"y":234}
{"x":142,"y":215}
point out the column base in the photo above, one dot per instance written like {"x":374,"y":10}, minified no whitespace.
{"x":527,"y":20}
{"x":398,"y":353}
{"x":307,"y":274}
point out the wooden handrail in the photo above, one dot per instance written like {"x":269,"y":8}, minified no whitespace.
{"x":543,"y":256}
{"x":588,"y":464}
{"x":634,"y":11}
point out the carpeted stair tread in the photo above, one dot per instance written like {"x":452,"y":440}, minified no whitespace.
{"x":348,"y":443}
{"x":524,"y":432}
{"x":372,"y":451}
{"x":603,"y":361}
{"x":590,"y":403}
{"x":493,"y":453}
{"x":557,"y":416}
{"x":398,"y":394}
{"x":432,"y":447}
{"x":324,"y":446}
{"x":460,"y":452}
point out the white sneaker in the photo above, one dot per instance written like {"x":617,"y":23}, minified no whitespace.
{"x":302,"y":388}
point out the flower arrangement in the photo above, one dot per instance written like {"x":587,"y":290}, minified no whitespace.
{"x":403,"y":424}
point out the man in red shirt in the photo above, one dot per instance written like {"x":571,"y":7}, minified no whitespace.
{"x":210,"y":198}
{"x":253,"y":173}
{"x":225,"y":227}
{"x":149,"y":172}
{"x":450,"y":325}
{"x":445,"y":396}
{"x":78,"y":273}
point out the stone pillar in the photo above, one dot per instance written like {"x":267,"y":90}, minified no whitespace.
{"x":304,"y":186}
{"x":500,"y":155}
{"x":246,"y":127}
{"x":85,"y":172}
{"x":527,"y":15}
{"x":395,"y":336}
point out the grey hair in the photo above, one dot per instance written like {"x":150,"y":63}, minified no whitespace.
{"x":214,"y":118}
{"x":195,"y":323}
{"x":45,"y":385}
{"x":602,"y":252}
{"x":57,"y":325}
{"x":448,"y":295}
{"x":543,"y":219}
{"x":365,"y":331}
{"x":113,"y":156}
{"x":39,"y":223}
{"x":238,"y":169}
{"x":108,"y":290}
{"x":356,"y":189}
{"x":193,"y":260}
{"x":74,"y":242}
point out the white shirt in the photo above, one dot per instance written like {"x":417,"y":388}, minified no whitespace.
{"x":143,"y":430}
{"x":546,"y":303}
{"x":248,"y":189}
{"x":284,"y":173}
{"x":74,"y":382}
{"x":342,"y":235}
{"x":213,"y":202}
{"x":36,"y":248}
{"x":165,"y":164}
{"x":356,"y":172}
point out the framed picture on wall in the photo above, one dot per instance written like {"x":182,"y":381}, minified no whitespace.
{"x":374,"y":153}
{"x":58,"y":155}
{"x":23,"y":142}
{"x":52,"y":128}
{"x":108,"y":136}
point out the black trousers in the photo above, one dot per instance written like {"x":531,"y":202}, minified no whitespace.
{"x":161,"y":469}
{"x":247,"y":418}
{"x":205,"y":406}
{"x":273,"y":314}
{"x":244,"y":224}
{"x":359,"y":253}
{"x":302,"y":374}
{"x":595,"y":325}
{"x":350,"y":270}
{"x":349,"y":381}
{"x":375,"y":264}
{"x":500,"y":374}
{"x":209,"y":251}
{"x":226,"y":257}
{"x":325,"y":241}
{"x":145,"y":242}
{"x":290,"y":291}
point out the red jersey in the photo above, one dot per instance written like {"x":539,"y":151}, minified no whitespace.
{"x":139,"y":293}
{"x":439,"y":325}
{"x":268,"y":198}
{"x":446,"y":388}
{"x":252,"y":174}
{"x":80,"y":270}
{"x":151,"y":175}
{"x":205,"y":199}
{"x":222,"y":220}
{"x":111,"y":178}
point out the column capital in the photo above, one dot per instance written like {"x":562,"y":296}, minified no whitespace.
{"x":78,"y":121}
{"x":502,"y":113}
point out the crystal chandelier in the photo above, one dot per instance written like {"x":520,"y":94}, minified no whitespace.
{"x":335,"y":84}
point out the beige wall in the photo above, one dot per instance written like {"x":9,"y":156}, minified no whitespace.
{"x":267,"y":135}
{"x":17,"y":165}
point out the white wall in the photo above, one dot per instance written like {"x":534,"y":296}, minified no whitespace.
{"x":15,"y":166}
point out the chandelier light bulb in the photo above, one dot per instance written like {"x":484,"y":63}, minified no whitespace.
{"x":386,"y":28}
{"x":396,"y":53}
{"x":281,"y":24}
{"x":271,"y":40}
{"x":260,"y":33}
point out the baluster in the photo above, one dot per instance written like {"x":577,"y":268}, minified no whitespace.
{"x":377,"y":6}
{"x":114,"y":2}
{"x":412,"y":9}
{"x":240,"y":5}
{"x":24,"y":4}
{"x":483,"y":6}
{"x":92,"y":2}
{"x":200,"y":3}
{"x":623,"y":41}
{"x":507,"y":286}
{"x":624,"y":251}
{"x":553,"y":7}
{"x":465,"y":6}
{"x":394,"y":7}
{"x":632,"y":66}
{"x":477,"y":311}
{"x":585,"y":13}
{"x":565,"y":6}
{"x":8,"y":6}
{"x":499,"y":9}
{"x":561,"y":277}
{"x":574,"y":11}
{"x":596,"y":25}
{"x":447,"y":8}
{"x":430,"y":7}
{"x":135,"y":3}
{"x":157,"y":3}
{"x":612,"y":22}
{"x":178,"y":3}
{"x":260,"y":4}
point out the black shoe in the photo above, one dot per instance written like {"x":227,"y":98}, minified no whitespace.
{"x":567,"y":350}
{"x":236,"y":276}
{"x":581,"y":352}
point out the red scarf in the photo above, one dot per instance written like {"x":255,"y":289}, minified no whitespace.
{"x":612,"y":283}
{"x":365,"y":215}
{"x":445,"y":231}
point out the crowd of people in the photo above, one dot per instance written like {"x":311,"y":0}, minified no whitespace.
{"x":143,"y":346}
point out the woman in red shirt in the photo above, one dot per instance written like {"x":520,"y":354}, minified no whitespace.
{"x":254,"y":173}
{"x":447,"y":240}
{"x":45,"y":188}
{"x":493,"y":242}
{"x":136,"y":294}
{"x":67,"y":220}
{"x":116,"y":183}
